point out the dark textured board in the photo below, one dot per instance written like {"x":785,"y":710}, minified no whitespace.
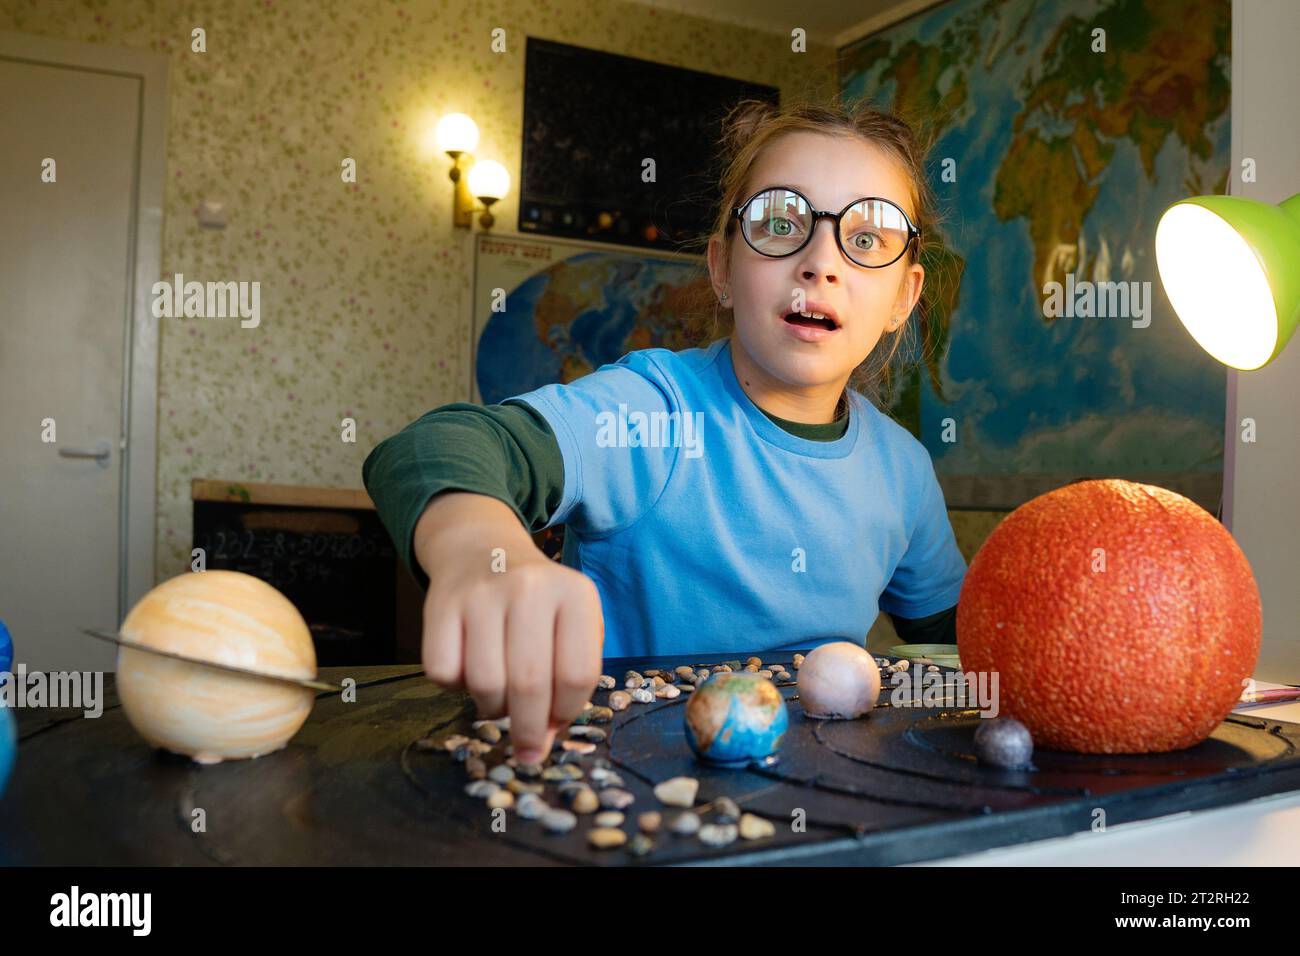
{"x":352,"y":788}
{"x":902,"y":784}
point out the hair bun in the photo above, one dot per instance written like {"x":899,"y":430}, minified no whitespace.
{"x":741,"y":121}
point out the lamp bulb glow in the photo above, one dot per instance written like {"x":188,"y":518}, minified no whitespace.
{"x":456,"y":132}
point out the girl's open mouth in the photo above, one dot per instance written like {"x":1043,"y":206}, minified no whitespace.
{"x":810,"y":327}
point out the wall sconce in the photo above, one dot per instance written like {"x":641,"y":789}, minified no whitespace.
{"x":487,"y":180}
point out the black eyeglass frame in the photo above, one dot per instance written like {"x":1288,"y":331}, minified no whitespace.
{"x":818,"y":215}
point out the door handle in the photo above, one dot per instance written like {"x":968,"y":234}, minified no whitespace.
{"x":100,"y":453}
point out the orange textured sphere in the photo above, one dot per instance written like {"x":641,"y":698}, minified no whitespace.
{"x":1120,"y":617}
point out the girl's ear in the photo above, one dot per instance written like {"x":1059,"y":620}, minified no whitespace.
{"x":909,"y":293}
{"x":717,"y":268}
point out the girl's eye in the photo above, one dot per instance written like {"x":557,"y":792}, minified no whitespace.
{"x":871,"y":240}
{"x":781,"y":226}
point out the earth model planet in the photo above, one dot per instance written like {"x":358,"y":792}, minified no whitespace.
{"x":735,"y":718}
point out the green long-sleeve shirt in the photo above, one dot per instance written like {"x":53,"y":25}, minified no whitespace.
{"x":509,"y":452}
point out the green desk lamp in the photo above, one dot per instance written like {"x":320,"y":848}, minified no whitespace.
{"x":1231,"y":269}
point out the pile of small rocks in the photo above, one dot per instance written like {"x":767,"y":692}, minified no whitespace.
{"x":591,"y":787}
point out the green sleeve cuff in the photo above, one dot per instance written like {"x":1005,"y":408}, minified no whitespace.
{"x":506,"y":452}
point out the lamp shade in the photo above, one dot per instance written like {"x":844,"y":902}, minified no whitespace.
{"x":1231,"y":269}
{"x":488,"y":179}
{"x":456,"y":133}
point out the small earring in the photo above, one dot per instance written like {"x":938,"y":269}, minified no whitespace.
{"x":723,"y":297}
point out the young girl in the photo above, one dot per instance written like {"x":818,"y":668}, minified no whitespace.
{"x":737,"y":498}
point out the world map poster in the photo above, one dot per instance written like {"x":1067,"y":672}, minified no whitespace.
{"x":1053,"y":162}
{"x":549,"y":310}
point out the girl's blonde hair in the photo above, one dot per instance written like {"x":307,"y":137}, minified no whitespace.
{"x":753,"y":125}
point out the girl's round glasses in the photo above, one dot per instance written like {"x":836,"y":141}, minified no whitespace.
{"x":779,"y":221}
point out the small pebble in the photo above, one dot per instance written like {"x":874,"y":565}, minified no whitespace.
{"x":619,"y":699}
{"x":528,"y":771}
{"x":632,"y":679}
{"x":501,"y":800}
{"x":608,"y":818}
{"x":656,"y":682}
{"x":518,"y":786}
{"x":449,"y":744}
{"x":932,"y":669}
{"x":586,"y":732}
{"x":722,"y":669}
{"x":600,"y":715}
{"x":559,"y":821}
{"x":649,"y":822}
{"x":677,"y":791}
{"x":765,"y":673}
{"x":560,"y":772}
{"x":755,"y":828}
{"x":490,"y":732}
{"x":727,"y":810}
{"x":713,"y":834}
{"x":798,"y":661}
{"x":477,"y":748}
{"x":643,"y":696}
{"x":579,"y":746}
{"x":751,"y":668}
{"x":756,"y":661}
{"x":584,"y":801}
{"x":701,"y":676}
{"x":605,"y":682}
{"x":612,"y":798}
{"x":685,"y":824}
{"x":530,"y":806}
{"x":606,"y":838}
{"x":640,"y":845}
{"x":668,"y":692}
{"x":685,"y":671}
{"x":501,"y":773}
{"x":482,"y":788}
{"x":475,"y":768}
{"x":783,"y":676}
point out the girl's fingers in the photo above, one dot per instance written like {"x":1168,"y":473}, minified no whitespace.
{"x":530,"y":647}
{"x":578,"y":633}
{"x":443,"y":647}
{"x":485,"y":657}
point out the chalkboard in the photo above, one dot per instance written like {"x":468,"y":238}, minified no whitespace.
{"x":337,"y":565}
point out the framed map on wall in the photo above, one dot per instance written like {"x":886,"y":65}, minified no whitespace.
{"x":552,"y":310}
{"x":1064,"y":128}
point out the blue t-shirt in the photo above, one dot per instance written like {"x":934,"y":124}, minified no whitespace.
{"x":707,"y":528}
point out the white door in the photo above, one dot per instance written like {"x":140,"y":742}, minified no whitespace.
{"x":67,"y":298}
